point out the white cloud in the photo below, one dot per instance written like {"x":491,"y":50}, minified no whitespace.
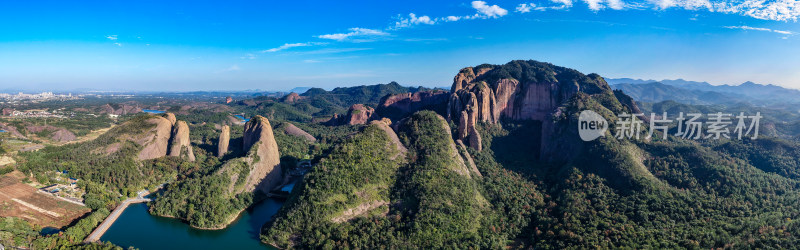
{"x":354,"y":32}
{"x":564,"y":3}
{"x":488,"y":11}
{"x":525,"y":7}
{"x":683,"y":4}
{"x":615,"y":4}
{"x":118,"y":44}
{"x":112,"y":37}
{"x":453,"y":18}
{"x":744,"y":27}
{"x":413,"y":20}
{"x":250,"y":56}
{"x":777,"y":10}
{"x":291,"y":45}
{"x":594,"y":4}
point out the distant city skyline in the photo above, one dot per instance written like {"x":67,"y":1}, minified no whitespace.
{"x":189,"y":46}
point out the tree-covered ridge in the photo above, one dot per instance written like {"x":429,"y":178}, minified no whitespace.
{"x":320,"y":103}
{"x":444,"y":207}
{"x":533,"y":72}
{"x":358,"y":172}
{"x":427,"y":202}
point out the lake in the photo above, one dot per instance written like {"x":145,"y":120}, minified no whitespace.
{"x":137,"y":228}
{"x":242,"y":117}
{"x":152,"y":111}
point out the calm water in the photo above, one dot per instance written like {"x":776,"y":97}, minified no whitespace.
{"x":152,"y":111}
{"x":242,"y":117}
{"x":137,"y":228}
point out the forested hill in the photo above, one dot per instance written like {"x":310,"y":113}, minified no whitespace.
{"x":320,"y":103}
{"x":365,"y":94}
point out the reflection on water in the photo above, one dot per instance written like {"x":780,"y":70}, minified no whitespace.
{"x":137,"y":228}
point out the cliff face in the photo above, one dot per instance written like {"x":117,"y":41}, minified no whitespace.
{"x":265,"y":169}
{"x":224,"y":139}
{"x":357,"y":114}
{"x":171,"y":118}
{"x":518,"y":90}
{"x":400,"y":105}
{"x":156,"y":140}
{"x":180,"y":144}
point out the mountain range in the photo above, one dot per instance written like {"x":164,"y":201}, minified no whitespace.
{"x":694,"y":92}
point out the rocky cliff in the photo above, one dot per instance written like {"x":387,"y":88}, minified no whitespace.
{"x":171,"y":118}
{"x":180,"y":144}
{"x":518,"y":90}
{"x":259,"y":141}
{"x":155,"y":141}
{"x":357,"y":114}
{"x":224,"y":139}
{"x":399,"y":105}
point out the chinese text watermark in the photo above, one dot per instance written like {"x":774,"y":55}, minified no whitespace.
{"x":688,"y":126}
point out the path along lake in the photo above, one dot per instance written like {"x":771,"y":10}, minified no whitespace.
{"x":137,"y":228}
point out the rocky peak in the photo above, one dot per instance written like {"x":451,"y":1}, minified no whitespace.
{"x":518,"y":90}
{"x":171,"y":118}
{"x":259,"y":141}
{"x":357,"y":114}
{"x":156,"y":140}
{"x":180,"y":144}
{"x":399,"y":105}
{"x":224,"y":139}
{"x":291,"y":98}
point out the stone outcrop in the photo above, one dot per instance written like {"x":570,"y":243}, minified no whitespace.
{"x":356,"y":115}
{"x":519,"y":90}
{"x":399,"y":105}
{"x":224,"y":139}
{"x":291,"y":129}
{"x":155,"y":141}
{"x":265,"y":169}
{"x":383,"y":124}
{"x":171,"y":118}
{"x":180,"y":144}
{"x":292,"y":98}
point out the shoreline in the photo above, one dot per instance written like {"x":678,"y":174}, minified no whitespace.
{"x":236,"y":216}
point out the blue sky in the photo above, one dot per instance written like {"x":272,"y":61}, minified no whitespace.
{"x":270,"y":45}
